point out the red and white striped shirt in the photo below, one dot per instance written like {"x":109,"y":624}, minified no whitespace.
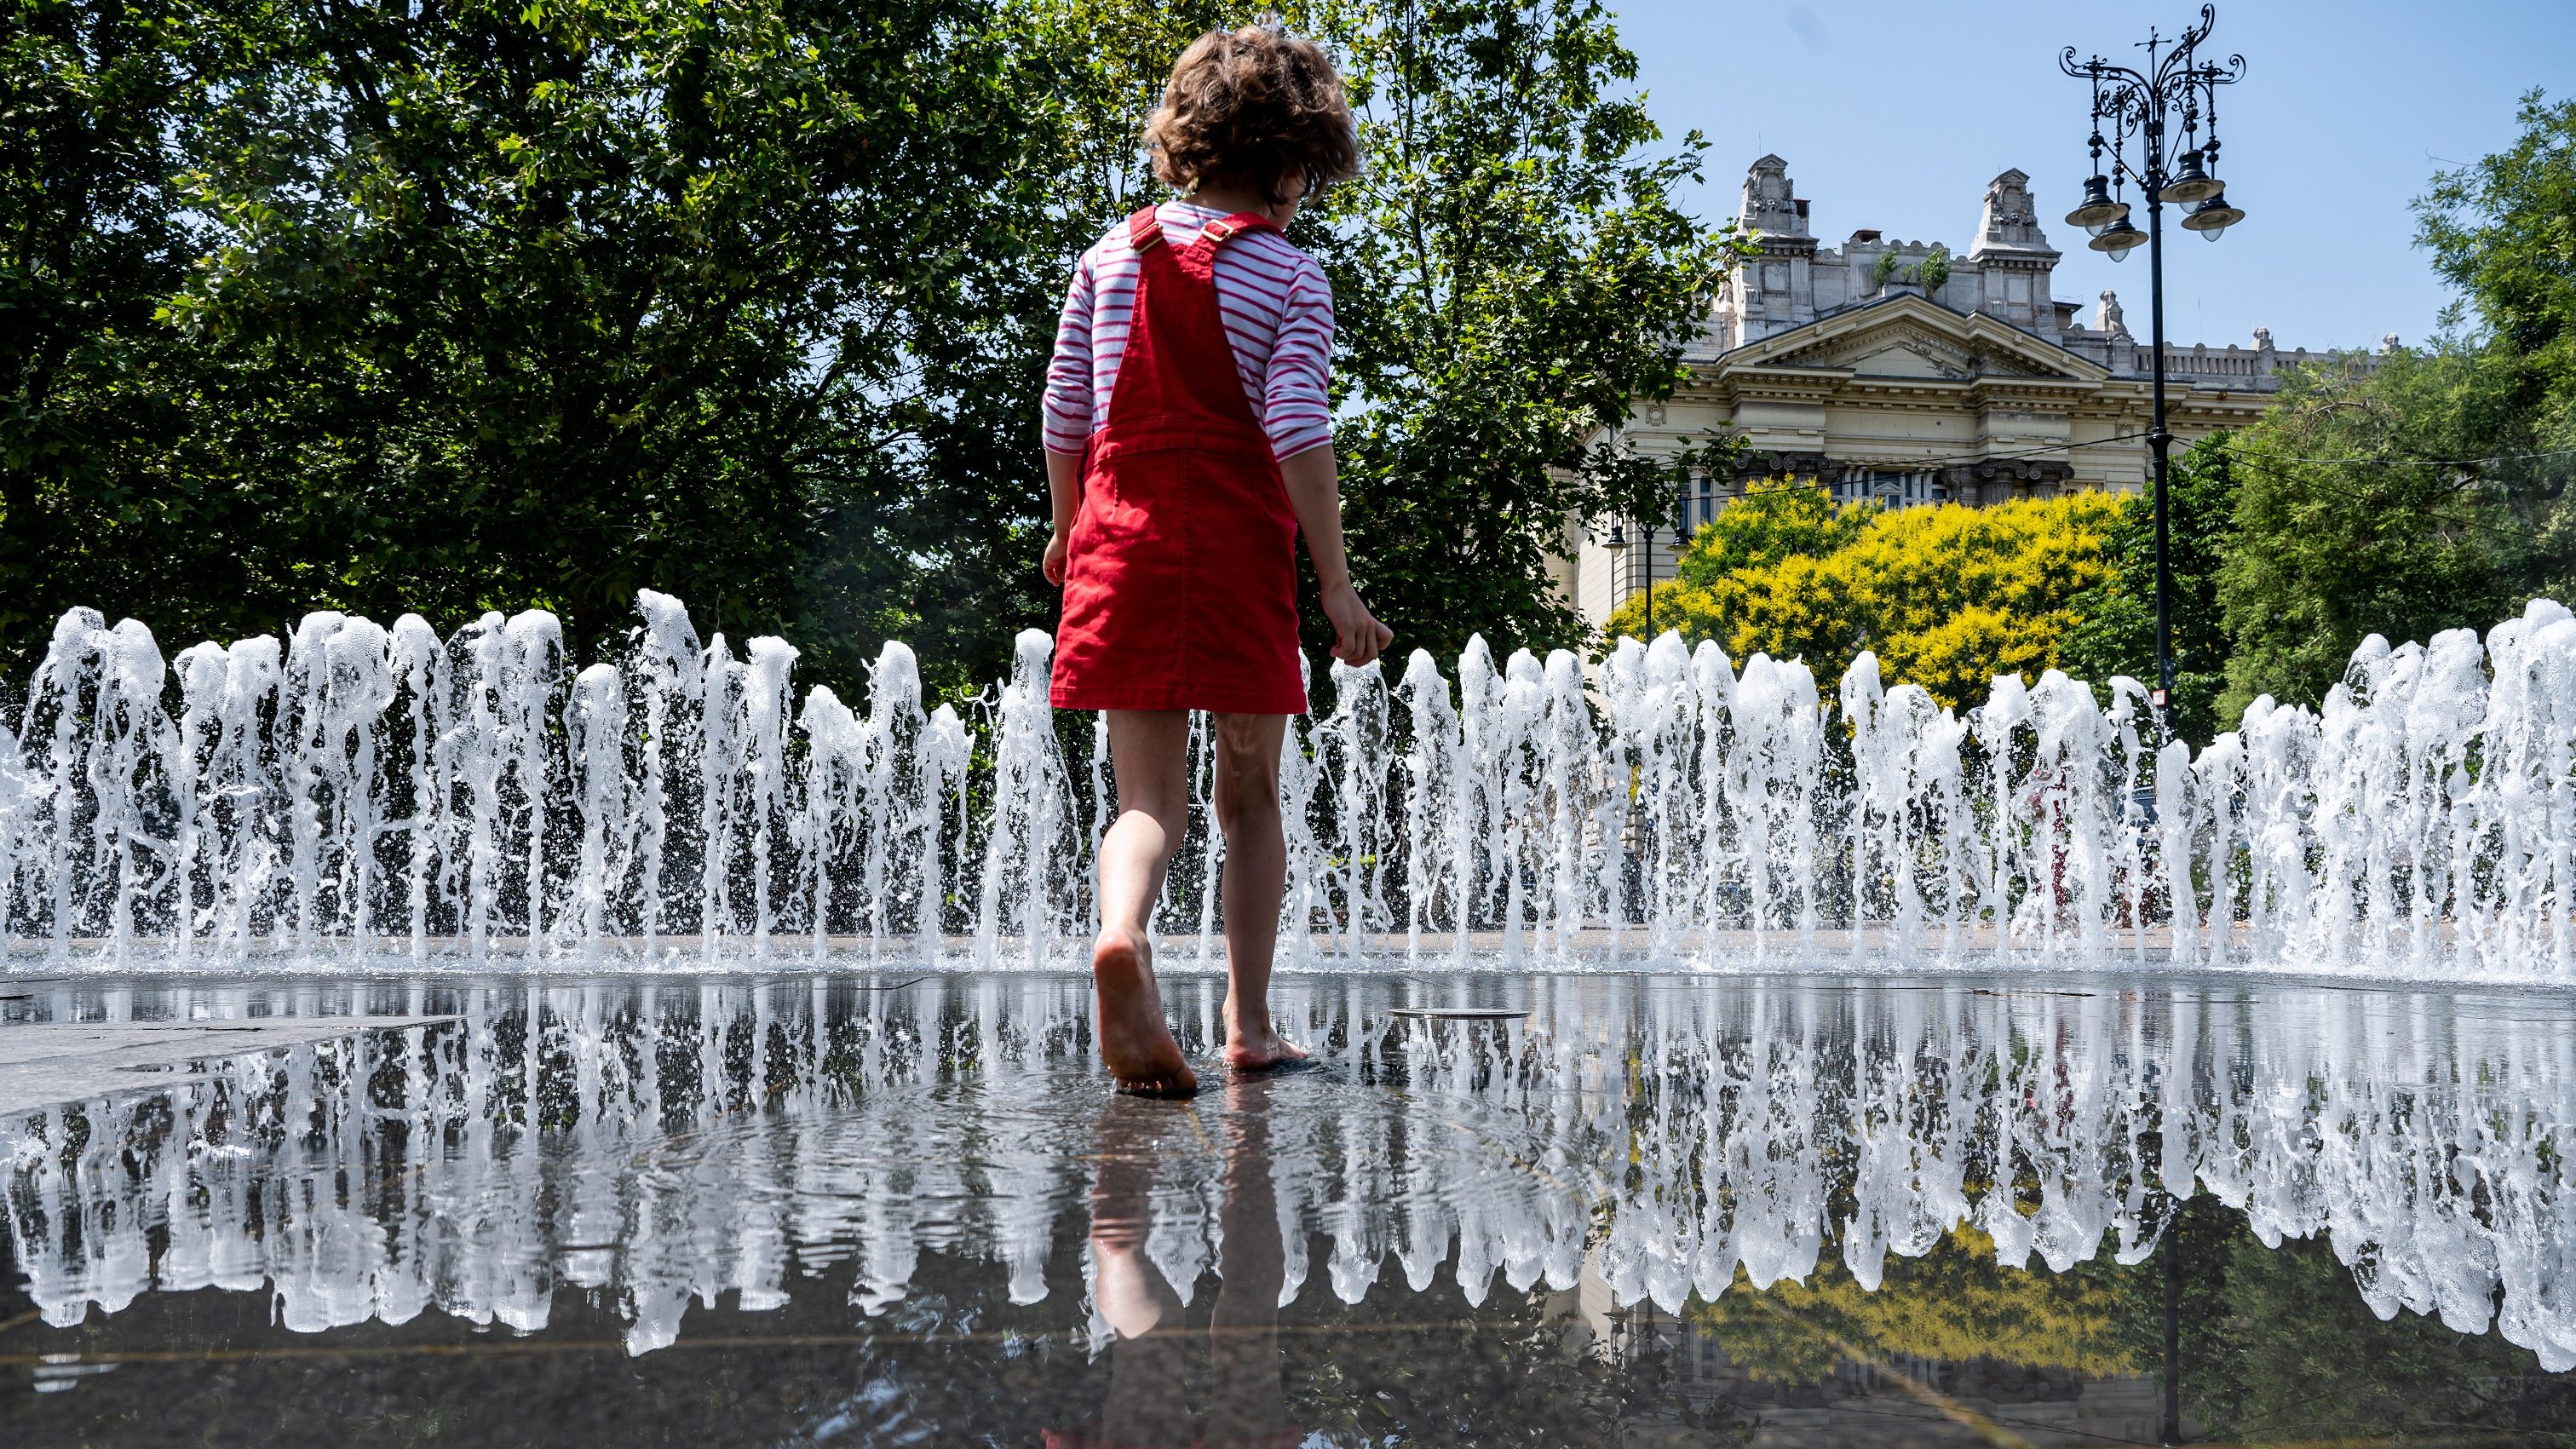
{"x":1278,"y":312}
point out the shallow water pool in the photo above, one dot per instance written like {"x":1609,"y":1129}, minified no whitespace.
{"x":906,"y":1207}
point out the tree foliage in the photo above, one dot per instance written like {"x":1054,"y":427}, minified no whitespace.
{"x":2399,"y":501}
{"x":462,"y":304}
{"x":1948,"y":596}
{"x":2424,"y":491}
{"x":2278,"y":1345}
{"x":2114,"y":632}
{"x":487,"y":305}
{"x":1512,"y":271}
{"x":1772,"y":522}
{"x":97,"y":106}
{"x":2503,"y":231}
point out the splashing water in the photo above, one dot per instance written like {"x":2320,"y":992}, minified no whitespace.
{"x":362,"y":787}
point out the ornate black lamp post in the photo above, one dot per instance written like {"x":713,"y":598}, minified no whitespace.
{"x":2142,"y":104}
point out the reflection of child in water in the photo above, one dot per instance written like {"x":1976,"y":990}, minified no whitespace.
{"x":1145,"y":1408}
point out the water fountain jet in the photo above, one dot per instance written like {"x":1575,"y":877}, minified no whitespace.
{"x":364,"y":785}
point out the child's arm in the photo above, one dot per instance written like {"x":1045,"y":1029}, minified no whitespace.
{"x":1314,"y":491}
{"x":1068,"y":415}
{"x":1064,"y":500}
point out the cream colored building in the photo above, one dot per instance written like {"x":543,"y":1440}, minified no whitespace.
{"x":1835,"y":363}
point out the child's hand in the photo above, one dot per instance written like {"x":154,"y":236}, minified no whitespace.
{"x":1054,"y":565}
{"x":1357,"y":635}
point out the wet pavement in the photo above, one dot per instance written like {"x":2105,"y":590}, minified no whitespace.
{"x":906,"y":1207}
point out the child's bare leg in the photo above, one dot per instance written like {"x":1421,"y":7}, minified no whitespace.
{"x":1256,"y":871}
{"x":1150,"y":750}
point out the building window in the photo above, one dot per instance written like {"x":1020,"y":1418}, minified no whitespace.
{"x":1699,"y":504}
{"x":1890,"y":487}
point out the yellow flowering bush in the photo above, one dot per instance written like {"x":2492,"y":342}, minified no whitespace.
{"x":1949,"y":595}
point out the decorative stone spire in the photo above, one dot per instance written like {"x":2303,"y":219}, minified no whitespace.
{"x":2106,"y":318}
{"x":2011,"y":221}
{"x":1770,"y":207}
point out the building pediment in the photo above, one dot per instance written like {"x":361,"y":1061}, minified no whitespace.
{"x":1911,"y":338}
{"x":1899,"y":350}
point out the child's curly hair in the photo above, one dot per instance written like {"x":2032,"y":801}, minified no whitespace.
{"x":1256,"y":108}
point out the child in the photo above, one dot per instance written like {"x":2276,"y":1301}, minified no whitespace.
{"x":1188,"y":443}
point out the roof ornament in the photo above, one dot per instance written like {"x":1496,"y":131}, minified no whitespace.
{"x":2010,"y":220}
{"x":1771,"y":205}
{"x":2106,"y":318}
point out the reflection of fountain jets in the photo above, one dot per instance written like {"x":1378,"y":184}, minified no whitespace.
{"x":655,"y":1146}
{"x":360,"y":784}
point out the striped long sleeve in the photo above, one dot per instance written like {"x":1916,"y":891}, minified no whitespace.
{"x":1278,"y":312}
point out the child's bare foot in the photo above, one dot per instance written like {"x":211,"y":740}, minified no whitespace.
{"x":1134,"y":1039}
{"x":1257,"y":1046}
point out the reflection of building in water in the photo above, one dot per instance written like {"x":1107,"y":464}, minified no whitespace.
{"x":1632,"y":1141}
{"x":1888,"y":375}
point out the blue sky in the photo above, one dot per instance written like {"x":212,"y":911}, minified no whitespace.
{"x":1895,"y":116}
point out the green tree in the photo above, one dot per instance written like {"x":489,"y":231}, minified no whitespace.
{"x":1953,"y":1304}
{"x":1773,"y":520}
{"x":2503,"y":231}
{"x":2399,"y":501}
{"x":2115,"y":621}
{"x":1510,"y":273}
{"x":2426,"y":492}
{"x":2279,"y":1345}
{"x":488,"y":305}
{"x":99,"y":105}
{"x":484,"y":305}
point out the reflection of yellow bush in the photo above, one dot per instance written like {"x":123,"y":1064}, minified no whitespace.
{"x":1949,"y":596}
{"x":1954,"y":1304}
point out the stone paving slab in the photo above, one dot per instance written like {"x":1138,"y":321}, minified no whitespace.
{"x":42,"y":1064}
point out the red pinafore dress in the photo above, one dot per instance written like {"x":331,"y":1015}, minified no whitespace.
{"x":1180,"y":580}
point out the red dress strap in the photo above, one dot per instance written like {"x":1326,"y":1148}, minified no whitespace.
{"x":1178,"y":382}
{"x":1227,"y":228}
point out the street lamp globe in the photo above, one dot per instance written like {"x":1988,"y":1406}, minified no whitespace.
{"x":2119,"y":239}
{"x":2212,"y":217}
{"x":2099,"y":211}
{"x":2190,"y":182}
